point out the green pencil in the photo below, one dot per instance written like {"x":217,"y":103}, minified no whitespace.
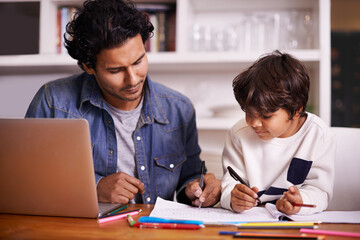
{"x":119,"y":209}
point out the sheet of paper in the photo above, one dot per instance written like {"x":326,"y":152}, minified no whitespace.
{"x":325,"y":217}
{"x":174,"y":210}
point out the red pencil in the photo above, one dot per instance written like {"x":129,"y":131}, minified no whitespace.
{"x":168,"y":226}
{"x":303,"y":205}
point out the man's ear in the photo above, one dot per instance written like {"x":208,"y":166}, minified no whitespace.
{"x":89,"y":71}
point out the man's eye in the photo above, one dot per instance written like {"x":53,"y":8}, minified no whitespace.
{"x":267,"y":117}
{"x":137,"y":62}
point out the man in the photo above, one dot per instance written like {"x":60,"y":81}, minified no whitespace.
{"x":143,"y":134}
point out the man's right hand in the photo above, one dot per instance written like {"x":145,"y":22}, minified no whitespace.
{"x":118,"y":188}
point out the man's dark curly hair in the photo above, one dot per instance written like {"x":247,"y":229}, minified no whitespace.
{"x":104,"y":24}
{"x":275,"y":81}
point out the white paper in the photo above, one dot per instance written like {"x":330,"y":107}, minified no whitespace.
{"x":325,"y":217}
{"x":173,"y":210}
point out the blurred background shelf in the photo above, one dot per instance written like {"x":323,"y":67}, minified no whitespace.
{"x":201,"y":71}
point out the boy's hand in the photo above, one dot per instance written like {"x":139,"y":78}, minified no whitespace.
{"x":209,"y":196}
{"x":243,"y":197}
{"x":285,"y":204}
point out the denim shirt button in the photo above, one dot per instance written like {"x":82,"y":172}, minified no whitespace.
{"x":171,"y":165}
{"x":148,"y":199}
{"x":138,"y":138}
{"x":142,"y":168}
{"x":111,"y":152}
{"x":109,"y":122}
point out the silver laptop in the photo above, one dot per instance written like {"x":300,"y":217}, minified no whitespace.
{"x":46,"y":168}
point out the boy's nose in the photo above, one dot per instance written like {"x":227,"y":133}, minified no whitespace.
{"x":256,"y":122}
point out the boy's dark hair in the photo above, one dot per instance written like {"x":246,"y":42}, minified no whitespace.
{"x":274,"y":81}
{"x":104,"y":24}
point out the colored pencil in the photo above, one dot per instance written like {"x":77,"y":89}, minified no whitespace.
{"x":118,"y":216}
{"x":276,"y":235}
{"x":333,"y":233}
{"x":303,"y":205}
{"x":119,"y":209}
{"x":120,"y":213}
{"x":277,"y":224}
{"x":276,"y":227}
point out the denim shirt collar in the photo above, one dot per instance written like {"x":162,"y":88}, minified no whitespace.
{"x":151,"y":110}
{"x":90,"y":92}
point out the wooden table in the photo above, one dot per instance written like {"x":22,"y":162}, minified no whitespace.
{"x":39,"y":227}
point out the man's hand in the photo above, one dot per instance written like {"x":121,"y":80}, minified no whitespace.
{"x":243,"y":198}
{"x":285,"y":204}
{"x":209,"y":196}
{"x":119,"y":188}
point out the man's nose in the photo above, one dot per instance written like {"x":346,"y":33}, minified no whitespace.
{"x":131,"y":76}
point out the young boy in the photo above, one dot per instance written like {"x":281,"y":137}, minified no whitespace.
{"x":285,"y":154}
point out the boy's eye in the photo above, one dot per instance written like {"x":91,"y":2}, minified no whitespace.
{"x":114,"y":71}
{"x":266,"y":116}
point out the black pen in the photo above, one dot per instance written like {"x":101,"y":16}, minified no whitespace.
{"x":202,"y":179}
{"x":238,"y":178}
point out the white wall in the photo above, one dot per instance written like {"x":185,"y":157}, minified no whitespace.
{"x":18,"y":89}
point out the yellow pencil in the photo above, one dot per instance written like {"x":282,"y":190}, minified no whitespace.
{"x":277,"y":224}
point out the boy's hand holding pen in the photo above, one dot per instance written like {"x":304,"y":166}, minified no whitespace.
{"x":242,"y":196}
{"x":238,"y":178}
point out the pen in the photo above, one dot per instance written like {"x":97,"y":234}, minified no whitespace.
{"x":238,"y":178}
{"x":168,"y":226}
{"x":147,"y":219}
{"x":118,"y":216}
{"x":202,"y":179}
{"x":303,"y":205}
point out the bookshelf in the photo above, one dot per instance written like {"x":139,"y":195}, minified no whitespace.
{"x":205,"y":74}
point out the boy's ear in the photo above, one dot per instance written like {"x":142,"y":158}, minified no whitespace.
{"x":297,"y":114}
{"x":89,"y":71}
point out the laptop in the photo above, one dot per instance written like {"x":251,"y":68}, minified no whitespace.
{"x":46,"y":168}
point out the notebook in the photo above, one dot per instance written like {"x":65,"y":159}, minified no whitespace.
{"x":46,"y":168}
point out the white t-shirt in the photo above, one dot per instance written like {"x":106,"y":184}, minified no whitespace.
{"x":305,"y":159}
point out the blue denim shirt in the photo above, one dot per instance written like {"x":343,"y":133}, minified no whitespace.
{"x":166,"y":140}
